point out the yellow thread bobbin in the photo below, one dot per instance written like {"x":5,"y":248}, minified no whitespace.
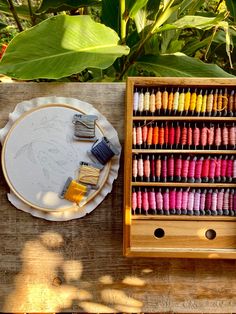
{"x":88,"y":174}
{"x":74,"y":191}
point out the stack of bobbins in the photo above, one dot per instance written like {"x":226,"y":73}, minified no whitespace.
{"x":183,"y":201}
{"x":183,"y":168}
{"x":101,"y":152}
{"x":182,"y":135}
{"x":186,"y":101}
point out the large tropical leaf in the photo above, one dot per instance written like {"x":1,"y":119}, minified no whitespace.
{"x":133,"y":6}
{"x":178,"y":64}
{"x":61,"y":46}
{"x":231,"y":5}
{"x":64,"y":5}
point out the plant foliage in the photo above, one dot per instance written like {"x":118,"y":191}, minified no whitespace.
{"x":106,"y":40}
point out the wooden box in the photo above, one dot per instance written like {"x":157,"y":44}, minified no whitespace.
{"x":213,"y":234}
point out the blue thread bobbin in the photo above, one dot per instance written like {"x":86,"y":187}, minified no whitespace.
{"x":102,"y":151}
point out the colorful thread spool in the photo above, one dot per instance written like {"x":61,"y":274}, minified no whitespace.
{"x":74,"y":191}
{"x":84,"y":127}
{"x":103,"y":150}
{"x":89,"y":174}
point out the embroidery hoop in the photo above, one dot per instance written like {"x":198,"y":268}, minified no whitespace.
{"x":105,"y":186}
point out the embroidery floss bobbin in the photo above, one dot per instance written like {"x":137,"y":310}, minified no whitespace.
{"x":152,"y":201}
{"x":135,"y":102}
{"x":214,"y":203}
{"x":89,"y":174}
{"x":145,"y":202}
{"x":141,"y":102}
{"x":178,"y":168}
{"x":179,"y":196}
{"x":203,"y":202}
{"x":139,"y":201}
{"x":84,"y":127}
{"x":166,"y":202}
{"x":102,"y":151}
{"x":74,"y":191}
{"x":172,"y":196}
{"x":196,"y":205}
{"x":144,"y":134}
{"x":134,"y":201}
{"x":193,"y":101}
{"x":218,"y":169}
{"x":219,"y":206}
{"x":170,"y":101}
{"x":159,"y":202}
{"x":165,"y":101}
{"x":191,"y":194}
{"x":153,"y":169}
{"x":185,"y":201}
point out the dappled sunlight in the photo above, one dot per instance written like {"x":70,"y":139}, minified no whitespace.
{"x":51,"y":239}
{"x":49,"y":283}
{"x":133,"y":281}
{"x":106,"y":280}
{"x":117,"y":297}
{"x":147,"y":271}
{"x":93,"y":307}
{"x":72,"y":270}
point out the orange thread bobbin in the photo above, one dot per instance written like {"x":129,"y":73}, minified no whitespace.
{"x":74,"y":191}
{"x":155,"y":135}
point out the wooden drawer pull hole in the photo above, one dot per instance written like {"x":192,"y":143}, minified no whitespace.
{"x":210,"y":234}
{"x":159,"y":233}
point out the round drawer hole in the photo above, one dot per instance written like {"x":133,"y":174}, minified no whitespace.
{"x":210,"y":234}
{"x":159,"y":233}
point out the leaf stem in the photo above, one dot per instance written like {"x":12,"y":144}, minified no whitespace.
{"x":136,"y":52}
{"x":122,"y":21}
{"x":14,"y":13}
{"x":32,"y":17}
{"x":210,"y":42}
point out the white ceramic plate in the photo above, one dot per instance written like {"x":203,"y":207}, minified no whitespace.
{"x":40,"y":153}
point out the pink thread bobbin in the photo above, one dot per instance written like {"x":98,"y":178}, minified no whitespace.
{"x":166,"y":202}
{"x":203,"y":202}
{"x":173,"y":201}
{"x":179,"y":196}
{"x":134,"y":202}
{"x":178,"y":168}
{"x":159,"y":202}
{"x":152,"y":201}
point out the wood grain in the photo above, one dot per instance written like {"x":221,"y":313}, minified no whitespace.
{"x":77,"y":266}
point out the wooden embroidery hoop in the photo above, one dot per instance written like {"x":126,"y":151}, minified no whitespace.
{"x":11,"y":185}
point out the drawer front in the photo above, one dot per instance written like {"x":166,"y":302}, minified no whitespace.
{"x":157,"y":234}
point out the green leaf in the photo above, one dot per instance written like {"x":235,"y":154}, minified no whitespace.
{"x":190,"y":6}
{"x":110,"y":14}
{"x":133,"y":6}
{"x":195,"y":44}
{"x":178,"y":65}
{"x":200,"y":22}
{"x":64,"y":5}
{"x":231,"y":6}
{"x":61,"y":46}
{"x":2,"y":25}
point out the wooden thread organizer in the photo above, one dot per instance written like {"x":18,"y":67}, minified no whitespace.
{"x":180,"y":236}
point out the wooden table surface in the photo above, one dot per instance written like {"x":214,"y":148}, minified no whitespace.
{"x":77,"y":266}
